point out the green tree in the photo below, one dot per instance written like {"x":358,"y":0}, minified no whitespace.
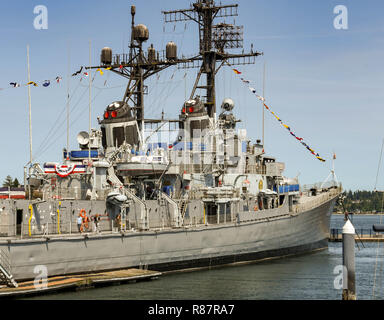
{"x":8,"y":182}
{"x":16,"y":183}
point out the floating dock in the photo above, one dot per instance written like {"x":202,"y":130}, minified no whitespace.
{"x":336,"y":235}
{"x":74,"y":282}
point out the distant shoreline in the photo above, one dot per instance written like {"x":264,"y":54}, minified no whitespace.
{"x":361,"y":213}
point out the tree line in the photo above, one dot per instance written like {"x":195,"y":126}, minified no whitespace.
{"x":12,"y":183}
{"x":364,"y":201}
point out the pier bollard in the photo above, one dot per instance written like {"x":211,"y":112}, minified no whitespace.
{"x":349,"y":261}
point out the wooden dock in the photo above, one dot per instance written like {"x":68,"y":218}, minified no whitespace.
{"x":366,"y":235}
{"x":74,"y":282}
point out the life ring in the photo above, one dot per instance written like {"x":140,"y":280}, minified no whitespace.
{"x":84,"y":220}
{"x":84,"y":224}
{"x":82,"y":213}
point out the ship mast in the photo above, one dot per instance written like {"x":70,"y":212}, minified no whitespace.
{"x":213,"y":40}
{"x":137,"y":66}
{"x":138,"y":36}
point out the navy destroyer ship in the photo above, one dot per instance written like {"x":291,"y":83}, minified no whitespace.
{"x":125,"y":198}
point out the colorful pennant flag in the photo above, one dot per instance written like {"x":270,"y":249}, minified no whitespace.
{"x":253,"y":90}
{"x":236,"y":71}
{"x":58,"y":79}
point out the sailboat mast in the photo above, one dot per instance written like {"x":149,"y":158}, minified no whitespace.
{"x":29,"y":109}
{"x":262,"y":104}
{"x":68,"y":84}
{"x":90,"y":110}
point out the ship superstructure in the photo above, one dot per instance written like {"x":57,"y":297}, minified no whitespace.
{"x":212,"y":196}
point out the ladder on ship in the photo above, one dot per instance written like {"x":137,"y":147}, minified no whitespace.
{"x":183,"y":204}
{"x":5,"y":270}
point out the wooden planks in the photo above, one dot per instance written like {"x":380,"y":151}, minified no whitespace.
{"x":75,"y":281}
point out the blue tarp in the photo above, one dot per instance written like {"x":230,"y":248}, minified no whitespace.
{"x":288,"y":188}
{"x":167,"y":189}
{"x":81,"y":154}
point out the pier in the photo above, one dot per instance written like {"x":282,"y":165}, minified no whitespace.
{"x":76,"y":282}
{"x":336,"y":235}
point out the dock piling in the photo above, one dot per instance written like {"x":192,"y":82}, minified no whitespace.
{"x":349,"y":293}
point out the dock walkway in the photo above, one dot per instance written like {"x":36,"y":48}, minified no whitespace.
{"x":336,"y":235}
{"x":89,"y":280}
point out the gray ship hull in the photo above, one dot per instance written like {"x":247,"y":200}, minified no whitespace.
{"x":178,"y":248}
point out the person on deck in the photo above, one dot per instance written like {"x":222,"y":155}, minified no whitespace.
{"x":79,"y":222}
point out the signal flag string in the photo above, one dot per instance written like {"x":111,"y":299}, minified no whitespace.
{"x":46,"y":83}
{"x":253,"y":90}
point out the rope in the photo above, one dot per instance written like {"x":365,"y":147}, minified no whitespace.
{"x":72,"y":123}
{"x":54,"y":126}
{"x":377,"y":250}
{"x":378,"y":166}
{"x":53,"y":137}
{"x":382,"y":205}
{"x":53,"y":131}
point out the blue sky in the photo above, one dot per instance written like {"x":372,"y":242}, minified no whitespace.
{"x":326,"y":84}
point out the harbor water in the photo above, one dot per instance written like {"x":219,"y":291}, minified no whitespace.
{"x":311,"y":276}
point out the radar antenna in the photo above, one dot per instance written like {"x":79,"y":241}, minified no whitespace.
{"x":137,"y":66}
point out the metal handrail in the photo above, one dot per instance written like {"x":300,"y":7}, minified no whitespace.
{"x":320,"y":199}
{"x":5,"y":261}
{"x":336,"y":233}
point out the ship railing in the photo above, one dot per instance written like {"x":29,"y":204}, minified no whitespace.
{"x":5,"y":260}
{"x":144,"y":223}
{"x":5,"y":269}
{"x":175,"y":212}
{"x":123,"y":58}
{"x":70,"y":227}
{"x":320,"y":185}
{"x":255,"y":169}
{"x":337,"y":234}
{"x":315,"y":201}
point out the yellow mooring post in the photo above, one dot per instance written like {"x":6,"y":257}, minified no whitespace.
{"x":30,"y":219}
{"x":58,"y":218}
